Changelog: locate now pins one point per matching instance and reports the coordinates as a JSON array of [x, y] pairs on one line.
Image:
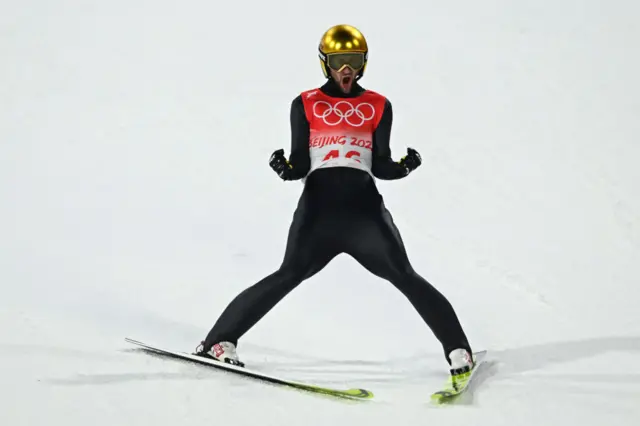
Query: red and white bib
[[341, 129]]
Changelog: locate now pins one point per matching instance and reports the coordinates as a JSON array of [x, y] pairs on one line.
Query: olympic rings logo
[[333, 115]]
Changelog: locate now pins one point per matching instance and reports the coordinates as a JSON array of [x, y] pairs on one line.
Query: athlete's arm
[[299, 156], [383, 165]]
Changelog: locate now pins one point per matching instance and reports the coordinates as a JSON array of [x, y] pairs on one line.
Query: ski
[[357, 394], [454, 388]]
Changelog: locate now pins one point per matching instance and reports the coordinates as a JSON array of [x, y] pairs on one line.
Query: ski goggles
[[338, 61]]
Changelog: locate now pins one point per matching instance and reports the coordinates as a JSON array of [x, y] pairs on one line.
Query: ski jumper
[[340, 143]]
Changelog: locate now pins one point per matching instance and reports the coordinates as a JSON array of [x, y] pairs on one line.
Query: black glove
[[280, 165], [411, 161]]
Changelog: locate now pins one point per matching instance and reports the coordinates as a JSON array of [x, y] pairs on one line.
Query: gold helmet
[[343, 45]]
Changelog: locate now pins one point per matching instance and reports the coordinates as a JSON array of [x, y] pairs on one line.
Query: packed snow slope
[[136, 200]]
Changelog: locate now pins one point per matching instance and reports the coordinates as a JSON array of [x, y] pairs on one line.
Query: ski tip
[[442, 397], [360, 393]]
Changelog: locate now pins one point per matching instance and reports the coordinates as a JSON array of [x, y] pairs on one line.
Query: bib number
[[353, 141], [340, 150]]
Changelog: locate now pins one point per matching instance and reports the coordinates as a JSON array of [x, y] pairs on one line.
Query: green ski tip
[[349, 393]]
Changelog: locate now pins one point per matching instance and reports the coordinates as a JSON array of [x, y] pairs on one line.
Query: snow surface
[[134, 202]]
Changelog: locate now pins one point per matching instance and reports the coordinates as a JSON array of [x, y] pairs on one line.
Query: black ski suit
[[341, 211]]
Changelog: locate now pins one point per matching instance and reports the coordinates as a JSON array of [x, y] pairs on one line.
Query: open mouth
[[346, 80]]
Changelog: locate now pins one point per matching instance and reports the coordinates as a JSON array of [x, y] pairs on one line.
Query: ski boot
[[221, 351], [462, 364]]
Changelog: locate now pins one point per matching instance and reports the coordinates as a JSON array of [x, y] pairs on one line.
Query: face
[[344, 78]]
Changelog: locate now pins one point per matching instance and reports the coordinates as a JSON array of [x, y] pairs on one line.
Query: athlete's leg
[[377, 245], [307, 252]]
